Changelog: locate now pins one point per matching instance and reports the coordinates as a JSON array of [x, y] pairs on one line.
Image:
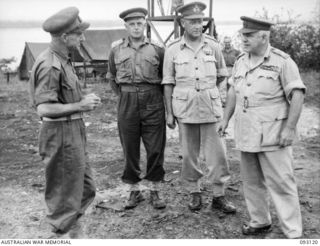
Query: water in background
[[12, 40]]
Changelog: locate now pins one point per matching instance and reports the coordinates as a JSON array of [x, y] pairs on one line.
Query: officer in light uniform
[[193, 66], [267, 96], [56, 94], [135, 74]]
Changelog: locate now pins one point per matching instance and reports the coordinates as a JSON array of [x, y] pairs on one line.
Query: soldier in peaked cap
[[135, 74], [267, 96], [57, 97], [193, 67]]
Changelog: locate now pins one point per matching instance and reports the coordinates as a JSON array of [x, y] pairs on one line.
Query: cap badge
[[196, 9]]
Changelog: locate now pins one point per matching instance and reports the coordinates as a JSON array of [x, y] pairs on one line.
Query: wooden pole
[[148, 26], [211, 20], [85, 74]]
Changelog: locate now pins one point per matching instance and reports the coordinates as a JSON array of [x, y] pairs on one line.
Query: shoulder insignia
[[157, 43], [174, 41], [116, 43], [280, 53], [56, 62], [211, 38]]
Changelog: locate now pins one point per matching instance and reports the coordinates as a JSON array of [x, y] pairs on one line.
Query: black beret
[[132, 13], [65, 21], [192, 10], [253, 25]]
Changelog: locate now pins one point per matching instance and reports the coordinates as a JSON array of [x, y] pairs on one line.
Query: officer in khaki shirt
[[193, 66], [267, 96], [57, 96], [135, 74]]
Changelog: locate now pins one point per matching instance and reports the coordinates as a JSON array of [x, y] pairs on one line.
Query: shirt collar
[[127, 41], [184, 44], [267, 53], [60, 49]]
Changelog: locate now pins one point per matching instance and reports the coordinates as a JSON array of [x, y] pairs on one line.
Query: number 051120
[[309, 241]]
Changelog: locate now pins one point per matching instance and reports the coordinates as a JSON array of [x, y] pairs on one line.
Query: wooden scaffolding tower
[[177, 31]]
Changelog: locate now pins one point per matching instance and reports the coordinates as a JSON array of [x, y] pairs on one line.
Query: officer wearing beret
[[57, 97], [267, 96], [193, 67], [135, 74]]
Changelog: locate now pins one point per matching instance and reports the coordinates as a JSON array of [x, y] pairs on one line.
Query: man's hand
[[287, 136], [221, 128], [171, 121], [89, 102]]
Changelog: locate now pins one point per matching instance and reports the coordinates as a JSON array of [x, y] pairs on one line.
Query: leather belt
[[75, 116], [139, 87]]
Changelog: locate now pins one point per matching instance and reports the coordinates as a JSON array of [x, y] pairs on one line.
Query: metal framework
[[175, 18]]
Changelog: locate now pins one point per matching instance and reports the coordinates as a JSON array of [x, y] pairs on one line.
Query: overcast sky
[[223, 10]]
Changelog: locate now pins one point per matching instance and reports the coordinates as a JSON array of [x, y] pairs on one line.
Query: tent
[[94, 51]]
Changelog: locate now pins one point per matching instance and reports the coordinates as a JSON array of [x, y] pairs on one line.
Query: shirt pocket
[[123, 65], [150, 67], [268, 83], [179, 103], [210, 68], [216, 105], [272, 123], [238, 79], [182, 67]]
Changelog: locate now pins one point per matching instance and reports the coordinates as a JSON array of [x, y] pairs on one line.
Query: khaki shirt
[[129, 65], [230, 56], [195, 97], [53, 78], [263, 94]]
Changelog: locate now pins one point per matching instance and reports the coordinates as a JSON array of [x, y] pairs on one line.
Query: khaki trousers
[[192, 136], [271, 171], [70, 187]]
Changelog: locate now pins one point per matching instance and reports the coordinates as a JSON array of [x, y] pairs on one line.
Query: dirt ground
[[22, 207]]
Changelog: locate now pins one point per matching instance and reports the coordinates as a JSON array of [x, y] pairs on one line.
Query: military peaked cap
[[192, 10], [253, 25], [65, 21], [133, 13]]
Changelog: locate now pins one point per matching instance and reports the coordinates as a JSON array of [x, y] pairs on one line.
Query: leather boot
[[76, 231], [196, 201], [134, 199], [222, 204], [156, 201]]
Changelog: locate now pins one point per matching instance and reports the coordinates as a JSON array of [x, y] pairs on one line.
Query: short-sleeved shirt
[[263, 94], [129, 65], [53, 78], [230, 56], [194, 73]]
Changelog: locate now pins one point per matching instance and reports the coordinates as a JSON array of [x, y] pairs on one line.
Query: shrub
[[301, 42]]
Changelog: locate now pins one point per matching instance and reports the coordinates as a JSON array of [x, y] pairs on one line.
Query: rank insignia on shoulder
[[116, 43]]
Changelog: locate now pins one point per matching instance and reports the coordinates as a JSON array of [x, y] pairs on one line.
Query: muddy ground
[[22, 207]]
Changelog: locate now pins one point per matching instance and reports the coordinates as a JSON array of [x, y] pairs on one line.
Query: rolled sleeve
[[47, 86], [168, 68], [290, 78]]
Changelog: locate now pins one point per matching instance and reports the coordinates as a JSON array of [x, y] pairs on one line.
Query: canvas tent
[[97, 46], [95, 52], [30, 53]]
